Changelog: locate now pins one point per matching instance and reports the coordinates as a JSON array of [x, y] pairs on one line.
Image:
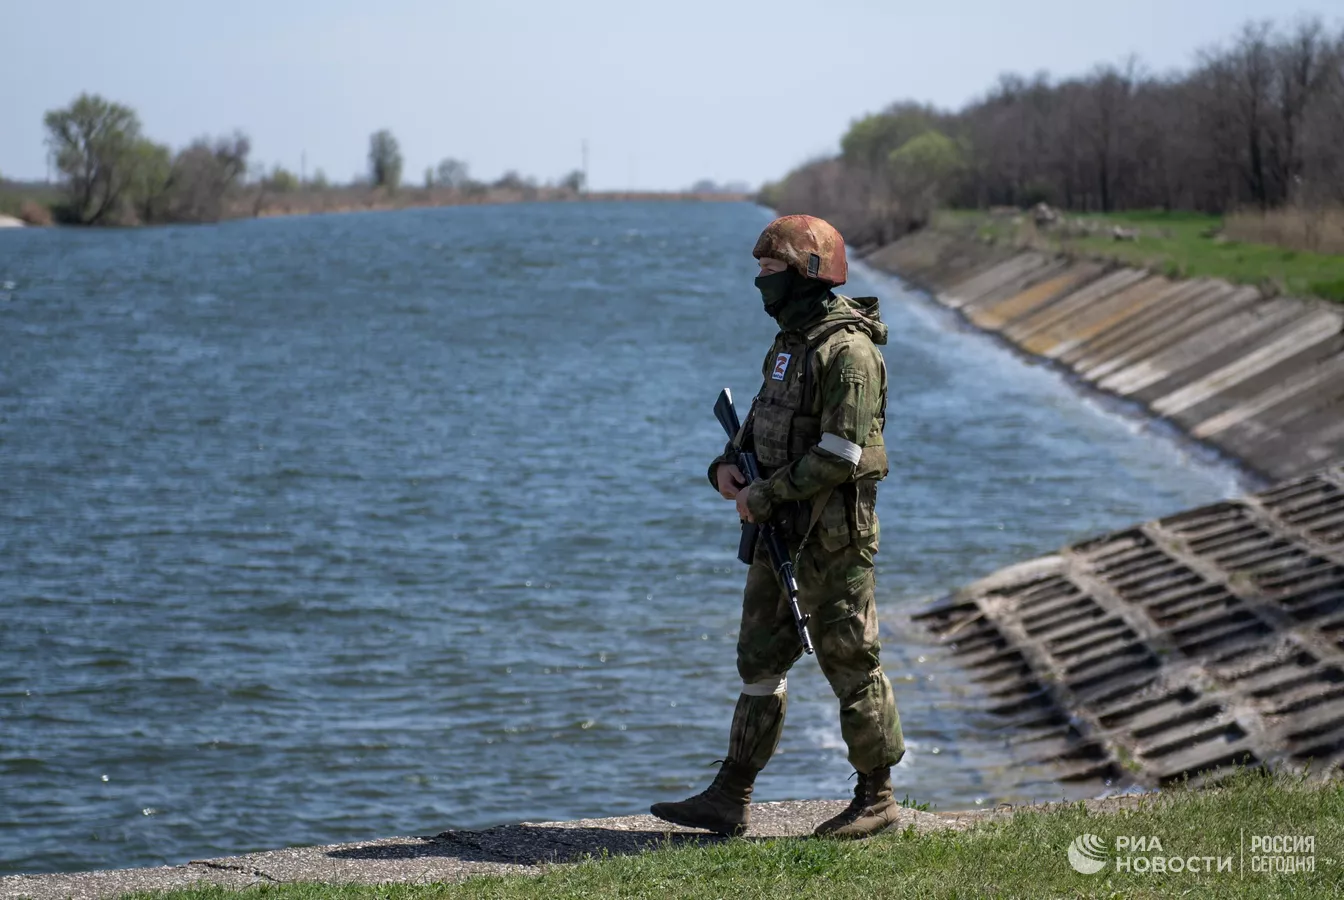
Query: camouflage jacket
[[816, 423]]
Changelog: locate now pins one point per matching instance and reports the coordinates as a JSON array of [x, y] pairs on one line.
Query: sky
[[663, 93]]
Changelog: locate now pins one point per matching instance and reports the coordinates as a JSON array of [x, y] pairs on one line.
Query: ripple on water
[[314, 532]]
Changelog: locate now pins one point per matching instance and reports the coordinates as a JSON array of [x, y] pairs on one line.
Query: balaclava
[[792, 300]]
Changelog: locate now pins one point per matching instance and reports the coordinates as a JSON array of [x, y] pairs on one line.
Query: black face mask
[[775, 289], [792, 300]]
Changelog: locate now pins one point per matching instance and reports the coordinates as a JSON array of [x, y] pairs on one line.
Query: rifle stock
[[746, 544]]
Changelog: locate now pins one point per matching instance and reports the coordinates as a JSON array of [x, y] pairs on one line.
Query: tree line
[[111, 174], [1256, 122]]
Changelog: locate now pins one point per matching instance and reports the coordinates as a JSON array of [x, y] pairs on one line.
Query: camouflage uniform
[[816, 430], [826, 383]]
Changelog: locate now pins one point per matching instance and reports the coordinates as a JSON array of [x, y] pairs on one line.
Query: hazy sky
[[664, 93]]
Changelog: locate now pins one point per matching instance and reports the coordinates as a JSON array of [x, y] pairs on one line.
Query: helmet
[[810, 246]]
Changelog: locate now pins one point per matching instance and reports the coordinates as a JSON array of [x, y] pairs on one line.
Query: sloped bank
[[1261, 379], [1211, 638]]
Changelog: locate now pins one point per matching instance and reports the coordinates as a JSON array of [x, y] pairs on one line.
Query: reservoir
[[342, 527]]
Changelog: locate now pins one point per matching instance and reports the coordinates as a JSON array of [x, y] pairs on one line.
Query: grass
[[1179, 245], [1022, 856]]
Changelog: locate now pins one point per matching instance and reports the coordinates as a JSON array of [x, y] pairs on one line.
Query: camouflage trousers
[[836, 589]]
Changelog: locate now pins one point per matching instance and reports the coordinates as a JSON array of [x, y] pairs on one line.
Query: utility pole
[[585, 165], [303, 167]]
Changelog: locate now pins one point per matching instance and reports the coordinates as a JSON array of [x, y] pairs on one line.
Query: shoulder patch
[[853, 376], [781, 366]]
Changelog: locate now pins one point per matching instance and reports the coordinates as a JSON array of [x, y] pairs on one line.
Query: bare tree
[[1255, 122], [203, 175], [1303, 63], [452, 173]]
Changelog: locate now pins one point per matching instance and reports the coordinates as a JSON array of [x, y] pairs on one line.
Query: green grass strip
[[1024, 856], [1178, 245]]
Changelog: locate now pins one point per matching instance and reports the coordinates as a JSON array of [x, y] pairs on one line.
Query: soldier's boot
[[723, 808], [872, 809]]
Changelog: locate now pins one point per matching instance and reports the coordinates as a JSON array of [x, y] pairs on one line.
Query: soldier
[[816, 427]]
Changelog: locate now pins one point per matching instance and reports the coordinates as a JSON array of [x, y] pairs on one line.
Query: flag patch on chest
[[781, 366]]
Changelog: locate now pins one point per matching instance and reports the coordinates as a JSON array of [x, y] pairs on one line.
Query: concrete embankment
[[1210, 638], [1261, 379]]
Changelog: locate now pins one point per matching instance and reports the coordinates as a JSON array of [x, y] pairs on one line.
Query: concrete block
[[1176, 325], [993, 316], [1273, 441], [1232, 331], [983, 283], [1284, 372], [1071, 304], [957, 267], [1309, 443], [1016, 285], [1232, 348], [1173, 647], [1299, 335], [1309, 380], [1123, 320], [1062, 335], [1124, 334]]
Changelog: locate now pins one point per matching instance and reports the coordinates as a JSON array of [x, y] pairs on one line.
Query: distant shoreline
[[34, 206], [375, 201]]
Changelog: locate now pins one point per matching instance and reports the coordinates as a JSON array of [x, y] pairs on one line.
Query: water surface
[[342, 527]]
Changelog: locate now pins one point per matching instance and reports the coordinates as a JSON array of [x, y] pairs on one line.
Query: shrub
[[35, 213], [1329, 290]]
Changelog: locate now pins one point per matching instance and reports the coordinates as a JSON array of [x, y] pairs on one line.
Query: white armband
[[838, 446]]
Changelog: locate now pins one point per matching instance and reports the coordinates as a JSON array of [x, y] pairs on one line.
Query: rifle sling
[[818, 506]]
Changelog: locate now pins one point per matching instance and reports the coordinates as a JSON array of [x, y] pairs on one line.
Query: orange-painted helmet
[[810, 246]]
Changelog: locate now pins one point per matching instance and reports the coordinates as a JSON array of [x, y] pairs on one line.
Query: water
[[342, 527]]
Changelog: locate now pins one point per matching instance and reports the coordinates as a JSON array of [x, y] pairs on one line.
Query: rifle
[[725, 412]]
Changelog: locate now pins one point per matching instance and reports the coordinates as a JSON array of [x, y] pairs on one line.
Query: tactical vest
[[785, 423]]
